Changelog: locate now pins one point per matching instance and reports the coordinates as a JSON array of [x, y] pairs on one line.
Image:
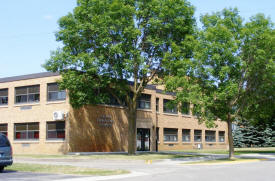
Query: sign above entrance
[[105, 121]]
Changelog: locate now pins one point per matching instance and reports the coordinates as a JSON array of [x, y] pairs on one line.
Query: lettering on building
[[105, 121]]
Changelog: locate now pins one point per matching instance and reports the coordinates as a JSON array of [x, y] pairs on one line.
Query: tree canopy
[[232, 72], [116, 47]]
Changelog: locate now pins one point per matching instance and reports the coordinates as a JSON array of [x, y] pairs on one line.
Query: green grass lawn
[[224, 161], [60, 169], [238, 151], [140, 156]]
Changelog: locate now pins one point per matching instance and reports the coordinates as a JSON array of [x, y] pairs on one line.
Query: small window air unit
[[58, 115], [199, 146]]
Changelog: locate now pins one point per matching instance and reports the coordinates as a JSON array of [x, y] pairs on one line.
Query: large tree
[[232, 73], [117, 47]]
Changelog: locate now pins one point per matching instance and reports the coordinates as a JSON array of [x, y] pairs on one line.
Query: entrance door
[[143, 139]]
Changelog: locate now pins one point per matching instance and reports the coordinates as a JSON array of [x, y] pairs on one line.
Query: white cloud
[[47, 17]]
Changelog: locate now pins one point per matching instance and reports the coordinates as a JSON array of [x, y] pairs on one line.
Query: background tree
[[226, 72], [248, 134], [108, 43]]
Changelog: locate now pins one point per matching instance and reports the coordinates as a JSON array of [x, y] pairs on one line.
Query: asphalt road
[[166, 170], [24, 176], [253, 171]]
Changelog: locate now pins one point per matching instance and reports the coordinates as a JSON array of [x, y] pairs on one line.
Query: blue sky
[[27, 28]]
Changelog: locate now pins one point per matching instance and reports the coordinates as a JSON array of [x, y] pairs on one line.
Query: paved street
[[165, 170], [27, 176]]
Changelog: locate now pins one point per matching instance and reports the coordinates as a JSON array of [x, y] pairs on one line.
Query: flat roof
[[28, 76], [50, 74]]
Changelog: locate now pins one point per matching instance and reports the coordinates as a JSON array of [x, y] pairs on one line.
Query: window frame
[[209, 137], [145, 99], [5, 132], [27, 94], [197, 135], [157, 104], [186, 135], [185, 105], [56, 91], [168, 110], [223, 136], [170, 135], [55, 130], [27, 131], [4, 97]]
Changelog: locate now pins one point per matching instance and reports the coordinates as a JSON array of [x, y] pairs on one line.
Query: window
[[54, 94], [144, 101], [26, 131], [170, 134], [169, 107], [157, 104], [186, 135], [210, 136], [197, 135], [196, 110], [4, 129], [3, 97], [185, 108], [221, 136], [56, 130], [27, 94], [157, 134]]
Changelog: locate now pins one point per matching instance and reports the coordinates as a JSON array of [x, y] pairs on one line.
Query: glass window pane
[[33, 97], [51, 134], [3, 100], [60, 125], [3, 127], [34, 89], [61, 134], [21, 99], [61, 95], [185, 108], [56, 130], [53, 96], [33, 126], [51, 126], [20, 127], [53, 87], [21, 135], [4, 92], [20, 90]]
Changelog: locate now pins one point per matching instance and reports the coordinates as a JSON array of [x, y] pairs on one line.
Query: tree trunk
[[132, 131], [230, 139]]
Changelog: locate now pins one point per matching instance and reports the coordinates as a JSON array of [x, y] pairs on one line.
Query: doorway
[[143, 139]]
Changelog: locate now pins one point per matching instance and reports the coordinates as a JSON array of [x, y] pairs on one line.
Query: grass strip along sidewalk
[[224, 161], [62, 169], [238, 151], [142, 156]]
